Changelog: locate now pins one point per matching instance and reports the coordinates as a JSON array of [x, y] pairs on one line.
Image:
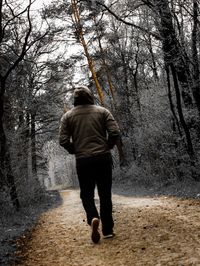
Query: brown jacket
[[85, 130]]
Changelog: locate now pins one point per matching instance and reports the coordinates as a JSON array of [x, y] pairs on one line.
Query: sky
[[73, 49], [38, 4]]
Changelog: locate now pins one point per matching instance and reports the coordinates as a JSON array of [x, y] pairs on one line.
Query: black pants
[[96, 171]]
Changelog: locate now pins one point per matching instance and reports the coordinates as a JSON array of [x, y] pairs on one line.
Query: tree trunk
[[36, 184], [5, 159], [84, 44], [196, 73], [173, 52], [27, 143], [2, 140], [136, 89], [126, 97], [23, 145], [190, 149], [135, 74], [154, 67], [105, 66], [33, 145], [171, 101]]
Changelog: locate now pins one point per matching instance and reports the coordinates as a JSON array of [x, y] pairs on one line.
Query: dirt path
[[149, 231]]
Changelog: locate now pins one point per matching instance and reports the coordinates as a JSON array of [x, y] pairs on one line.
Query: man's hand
[[69, 147], [122, 160], [116, 140]]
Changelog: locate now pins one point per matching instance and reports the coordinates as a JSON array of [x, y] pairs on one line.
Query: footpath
[[154, 231]]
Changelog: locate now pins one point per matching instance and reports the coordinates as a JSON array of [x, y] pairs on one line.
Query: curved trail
[[149, 231]]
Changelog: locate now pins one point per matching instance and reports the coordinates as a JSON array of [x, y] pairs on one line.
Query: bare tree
[[15, 41]]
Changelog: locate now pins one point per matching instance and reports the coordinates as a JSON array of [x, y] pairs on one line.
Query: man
[[90, 131]]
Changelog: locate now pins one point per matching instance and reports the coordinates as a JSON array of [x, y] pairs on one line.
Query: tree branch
[[155, 35], [24, 47], [3, 28]]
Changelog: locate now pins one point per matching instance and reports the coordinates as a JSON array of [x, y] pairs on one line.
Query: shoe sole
[[95, 233], [109, 236]]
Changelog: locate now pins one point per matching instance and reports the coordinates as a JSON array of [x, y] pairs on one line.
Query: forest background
[[140, 59]]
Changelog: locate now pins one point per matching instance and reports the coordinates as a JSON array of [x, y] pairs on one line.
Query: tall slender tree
[[79, 31]]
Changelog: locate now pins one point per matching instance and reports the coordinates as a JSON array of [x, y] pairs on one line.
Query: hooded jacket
[[86, 129]]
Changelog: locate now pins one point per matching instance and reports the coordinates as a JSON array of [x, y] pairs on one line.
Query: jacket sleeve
[[65, 135]]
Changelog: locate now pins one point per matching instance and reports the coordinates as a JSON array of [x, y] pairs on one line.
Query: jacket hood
[[83, 95]]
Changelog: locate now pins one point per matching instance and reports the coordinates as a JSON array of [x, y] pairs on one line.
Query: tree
[[80, 34], [16, 38]]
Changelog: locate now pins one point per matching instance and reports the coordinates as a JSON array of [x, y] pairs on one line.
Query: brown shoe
[[95, 236]]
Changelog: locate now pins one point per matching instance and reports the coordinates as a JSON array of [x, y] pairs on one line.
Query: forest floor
[[154, 230]]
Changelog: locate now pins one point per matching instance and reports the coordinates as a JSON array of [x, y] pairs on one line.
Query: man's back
[[88, 126]]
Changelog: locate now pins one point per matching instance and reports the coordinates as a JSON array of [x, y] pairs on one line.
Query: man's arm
[[114, 137], [119, 145], [65, 135]]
